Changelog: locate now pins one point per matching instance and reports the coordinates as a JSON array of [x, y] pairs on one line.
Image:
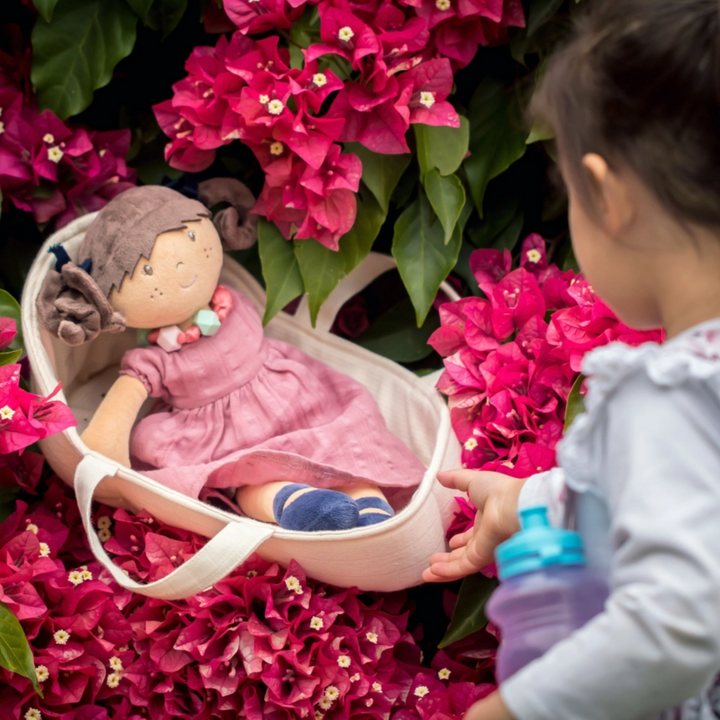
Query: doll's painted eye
[[148, 270], [191, 235]]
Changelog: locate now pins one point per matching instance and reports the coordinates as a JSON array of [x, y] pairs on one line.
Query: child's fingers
[[456, 479], [453, 569], [461, 539]]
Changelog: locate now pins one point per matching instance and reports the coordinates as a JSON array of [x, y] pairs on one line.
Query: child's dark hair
[[639, 84]]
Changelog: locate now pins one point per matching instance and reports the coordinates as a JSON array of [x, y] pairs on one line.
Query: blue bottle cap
[[537, 545]]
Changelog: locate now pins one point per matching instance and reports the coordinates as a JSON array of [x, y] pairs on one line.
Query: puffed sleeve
[[657, 642], [148, 366], [546, 488]]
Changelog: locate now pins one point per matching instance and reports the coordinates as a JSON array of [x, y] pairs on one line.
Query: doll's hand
[[109, 430], [496, 498]]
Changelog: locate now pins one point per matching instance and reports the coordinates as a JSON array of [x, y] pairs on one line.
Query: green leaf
[[15, 653], [7, 502], [9, 357], [322, 268], [394, 334], [45, 8], [75, 53], [423, 258], [165, 15], [499, 224], [380, 173], [141, 7], [575, 402], [302, 34], [283, 281], [497, 140], [447, 197], [539, 132], [10, 308], [469, 615], [540, 12], [441, 147]]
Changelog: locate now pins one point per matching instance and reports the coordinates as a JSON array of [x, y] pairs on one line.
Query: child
[[635, 104]]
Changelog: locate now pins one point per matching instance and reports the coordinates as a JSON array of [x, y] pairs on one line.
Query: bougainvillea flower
[[314, 86], [372, 118], [329, 217], [424, 89], [257, 16], [8, 331], [345, 35], [24, 417], [310, 137], [263, 57]]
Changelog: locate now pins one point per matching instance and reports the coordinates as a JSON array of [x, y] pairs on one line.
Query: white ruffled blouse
[[639, 477]]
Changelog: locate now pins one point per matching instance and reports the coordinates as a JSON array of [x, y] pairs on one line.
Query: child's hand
[[496, 498], [490, 708]]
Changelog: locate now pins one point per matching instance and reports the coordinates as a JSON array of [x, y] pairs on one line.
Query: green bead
[[207, 321], [142, 337]]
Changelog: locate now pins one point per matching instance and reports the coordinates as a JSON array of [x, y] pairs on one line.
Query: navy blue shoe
[[376, 511], [315, 510]]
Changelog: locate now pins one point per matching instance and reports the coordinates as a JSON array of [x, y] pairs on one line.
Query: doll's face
[[178, 279]]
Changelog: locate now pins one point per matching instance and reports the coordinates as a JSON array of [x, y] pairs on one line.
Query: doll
[[293, 441]]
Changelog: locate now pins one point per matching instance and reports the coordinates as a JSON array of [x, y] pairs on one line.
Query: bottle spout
[[534, 517]]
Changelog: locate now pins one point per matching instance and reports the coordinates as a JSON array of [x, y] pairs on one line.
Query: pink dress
[[238, 409]]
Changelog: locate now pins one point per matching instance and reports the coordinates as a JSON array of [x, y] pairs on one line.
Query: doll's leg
[[371, 502], [295, 506]]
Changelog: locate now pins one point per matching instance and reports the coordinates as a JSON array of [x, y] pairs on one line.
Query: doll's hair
[[639, 84], [73, 303]]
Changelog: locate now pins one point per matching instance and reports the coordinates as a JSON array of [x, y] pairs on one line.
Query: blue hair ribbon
[[62, 258]]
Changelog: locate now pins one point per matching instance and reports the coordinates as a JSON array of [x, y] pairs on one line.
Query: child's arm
[[109, 429], [658, 641]]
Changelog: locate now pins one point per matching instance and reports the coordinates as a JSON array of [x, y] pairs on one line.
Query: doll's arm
[[109, 430]]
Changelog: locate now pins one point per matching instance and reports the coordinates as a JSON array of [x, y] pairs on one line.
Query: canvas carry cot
[[385, 557]]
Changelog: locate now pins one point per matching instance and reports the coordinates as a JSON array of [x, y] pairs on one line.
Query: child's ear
[[612, 193]]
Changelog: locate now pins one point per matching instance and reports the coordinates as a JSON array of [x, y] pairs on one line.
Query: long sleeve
[[546, 488], [657, 642]]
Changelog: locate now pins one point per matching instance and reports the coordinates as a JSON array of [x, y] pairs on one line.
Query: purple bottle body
[[537, 609]]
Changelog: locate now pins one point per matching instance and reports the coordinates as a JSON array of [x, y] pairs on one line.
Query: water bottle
[[546, 591]]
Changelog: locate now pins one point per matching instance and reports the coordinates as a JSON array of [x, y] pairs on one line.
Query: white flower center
[[61, 637], [316, 623], [344, 661], [44, 549], [421, 691], [427, 98], [277, 149], [113, 679], [264, 99], [41, 673], [470, 444], [55, 154], [33, 714], [534, 256], [32, 527], [6, 413], [444, 674], [345, 34], [2, 130], [332, 693], [442, 5], [320, 79], [372, 637], [48, 138], [377, 687], [115, 663], [76, 577], [275, 107]]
